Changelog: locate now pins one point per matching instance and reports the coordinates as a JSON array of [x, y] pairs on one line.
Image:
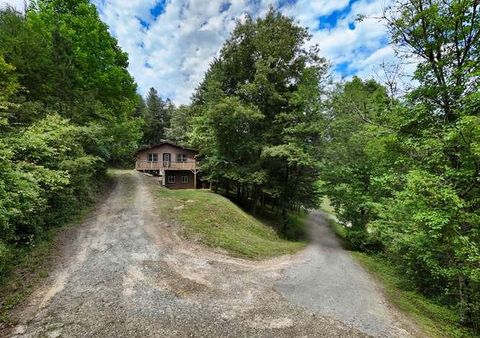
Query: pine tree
[[156, 118]]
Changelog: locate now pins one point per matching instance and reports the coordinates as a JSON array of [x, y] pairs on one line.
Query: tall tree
[[67, 106], [156, 118], [257, 113], [180, 124], [360, 154], [67, 61], [432, 224]]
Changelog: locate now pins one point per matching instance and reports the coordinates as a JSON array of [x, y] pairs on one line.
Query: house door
[[167, 159]]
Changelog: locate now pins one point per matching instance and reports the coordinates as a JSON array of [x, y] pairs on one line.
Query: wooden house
[[177, 166]]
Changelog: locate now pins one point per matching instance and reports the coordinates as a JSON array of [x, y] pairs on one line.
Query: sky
[[172, 42]]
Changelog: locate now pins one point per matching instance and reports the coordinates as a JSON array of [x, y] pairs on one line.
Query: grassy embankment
[[215, 221], [434, 319], [26, 265]]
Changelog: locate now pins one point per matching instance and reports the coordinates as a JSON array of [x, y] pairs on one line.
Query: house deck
[[166, 165]]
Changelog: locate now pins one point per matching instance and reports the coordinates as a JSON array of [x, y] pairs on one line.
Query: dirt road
[[332, 284], [125, 273]]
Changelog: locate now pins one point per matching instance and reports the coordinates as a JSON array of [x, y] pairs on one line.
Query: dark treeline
[[162, 120], [67, 105], [156, 114], [402, 171]]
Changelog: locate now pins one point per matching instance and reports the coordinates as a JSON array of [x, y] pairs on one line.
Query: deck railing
[[167, 165]]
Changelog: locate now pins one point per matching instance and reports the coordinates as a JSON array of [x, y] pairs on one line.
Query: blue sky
[[172, 42]]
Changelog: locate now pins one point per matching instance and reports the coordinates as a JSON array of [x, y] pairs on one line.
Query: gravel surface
[[331, 283], [126, 273]]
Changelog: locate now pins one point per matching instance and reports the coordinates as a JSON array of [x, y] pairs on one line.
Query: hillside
[[215, 221]]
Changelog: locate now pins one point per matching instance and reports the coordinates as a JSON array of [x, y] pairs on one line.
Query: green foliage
[[180, 125], [67, 105], [45, 174], [8, 87], [445, 36], [359, 155], [443, 188], [67, 62], [434, 319], [403, 174], [226, 132], [257, 115], [156, 118], [427, 217]]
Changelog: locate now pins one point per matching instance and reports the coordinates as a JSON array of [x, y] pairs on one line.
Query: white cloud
[[307, 11], [172, 51], [17, 4]]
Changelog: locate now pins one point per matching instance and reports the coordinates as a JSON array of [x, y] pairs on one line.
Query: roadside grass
[[327, 206], [26, 266], [434, 319], [339, 229], [215, 221]]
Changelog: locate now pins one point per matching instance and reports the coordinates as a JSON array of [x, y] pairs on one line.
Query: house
[[177, 166]]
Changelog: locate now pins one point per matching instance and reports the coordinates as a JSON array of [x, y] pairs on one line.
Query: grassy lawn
[[434, 319], [215, 221]]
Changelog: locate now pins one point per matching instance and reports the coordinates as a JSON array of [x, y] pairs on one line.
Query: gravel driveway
[[331, 283], [126, 273]]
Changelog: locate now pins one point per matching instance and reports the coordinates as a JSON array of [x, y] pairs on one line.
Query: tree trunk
[[255, 195], [239, 192], [285, 218]]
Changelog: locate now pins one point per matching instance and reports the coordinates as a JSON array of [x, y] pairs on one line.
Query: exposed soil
[[126, 273]]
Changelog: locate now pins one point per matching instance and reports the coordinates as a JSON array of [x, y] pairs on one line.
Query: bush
[[360, 239]]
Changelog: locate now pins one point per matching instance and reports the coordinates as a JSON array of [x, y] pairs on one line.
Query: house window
[[184, 179], [153, 157], [171, 179], [181, 158]]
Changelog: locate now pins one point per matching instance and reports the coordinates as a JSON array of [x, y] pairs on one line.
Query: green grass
[[217, 222], [25, 267], [434, 319], [339, 229], [327, 206]]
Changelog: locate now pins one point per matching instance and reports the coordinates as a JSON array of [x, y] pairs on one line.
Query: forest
[[67, 112], [400, 164]]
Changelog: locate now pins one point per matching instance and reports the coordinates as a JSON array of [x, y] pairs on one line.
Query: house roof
[[162, 143]]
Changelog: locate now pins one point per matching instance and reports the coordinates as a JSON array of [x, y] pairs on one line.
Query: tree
[[444, 35], [431, 224], [67, 61], [257, 113], [156, 118], [8, 87], [67, 106], [180, 124], [141, 107], [360, 154], [403, 173]]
